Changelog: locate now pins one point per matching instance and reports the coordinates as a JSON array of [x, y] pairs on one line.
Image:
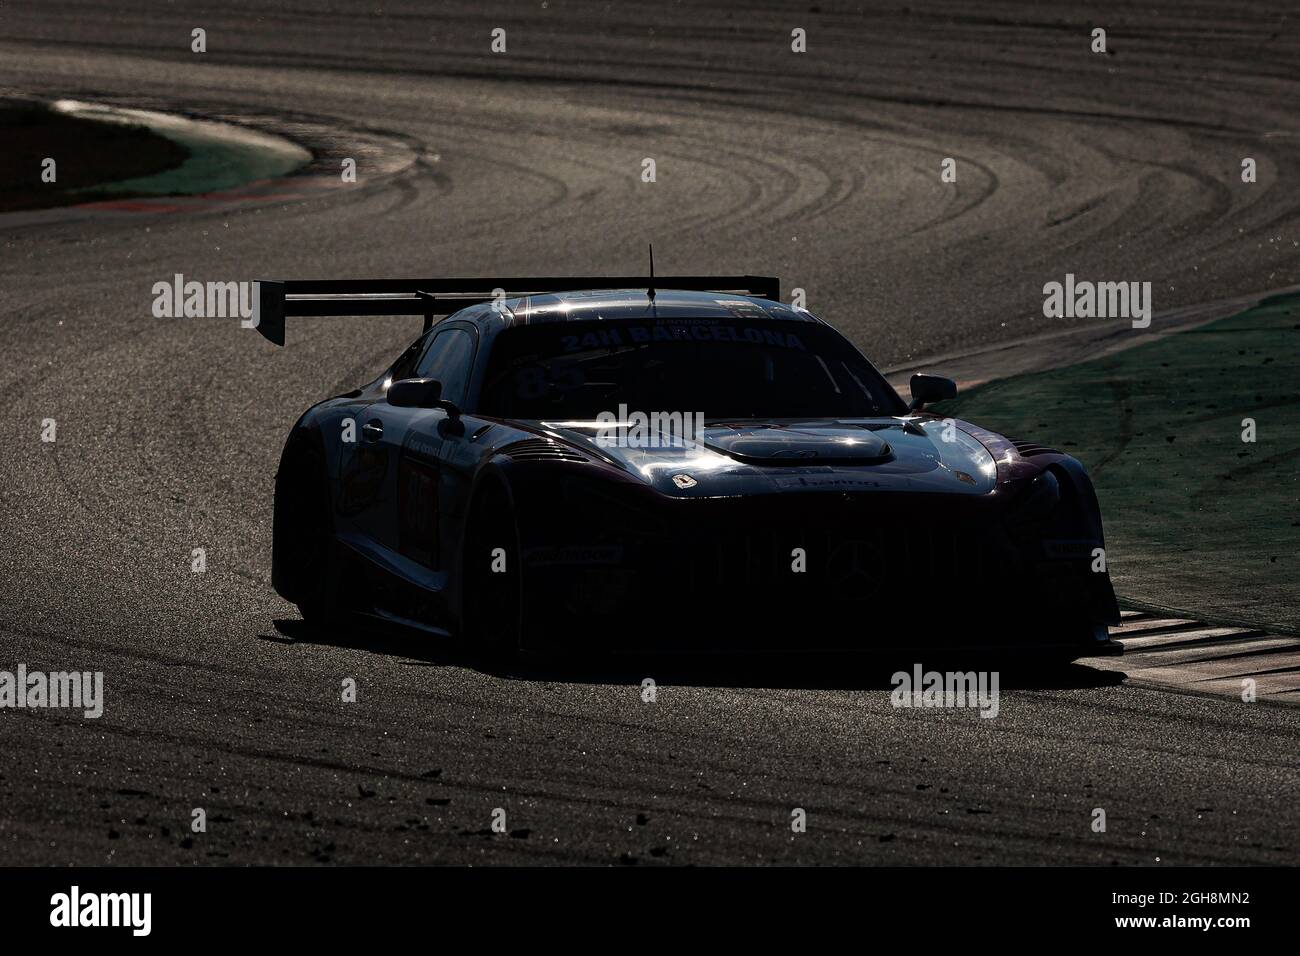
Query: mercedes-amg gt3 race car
[[592, 464]]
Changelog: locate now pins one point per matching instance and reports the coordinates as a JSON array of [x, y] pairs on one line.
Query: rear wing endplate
[[277, 300]]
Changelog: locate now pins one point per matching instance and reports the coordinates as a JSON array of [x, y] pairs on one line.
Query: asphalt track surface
[[821, 168]]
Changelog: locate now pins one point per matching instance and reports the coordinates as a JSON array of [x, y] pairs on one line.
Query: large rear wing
[[277, 300]]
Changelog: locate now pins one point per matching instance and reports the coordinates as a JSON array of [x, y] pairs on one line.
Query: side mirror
[[931, 388], [415, 393], [423, 393]]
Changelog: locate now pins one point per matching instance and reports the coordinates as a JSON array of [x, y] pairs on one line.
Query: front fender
[[1085, 515]]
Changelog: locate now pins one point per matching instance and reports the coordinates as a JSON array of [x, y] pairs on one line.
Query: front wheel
[[1074, 640], [311, 552], [492, 599]]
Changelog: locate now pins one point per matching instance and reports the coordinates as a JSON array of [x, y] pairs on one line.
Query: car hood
[[905, 454]]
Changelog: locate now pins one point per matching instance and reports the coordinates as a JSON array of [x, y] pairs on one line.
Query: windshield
[[719, 368]]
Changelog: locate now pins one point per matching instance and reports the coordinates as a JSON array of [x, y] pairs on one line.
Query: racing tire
[[492, 600], [314, 553]]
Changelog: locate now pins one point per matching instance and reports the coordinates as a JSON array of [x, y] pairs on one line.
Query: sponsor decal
[[1063, 549], [574, 554], [417, 508], [680, 331]]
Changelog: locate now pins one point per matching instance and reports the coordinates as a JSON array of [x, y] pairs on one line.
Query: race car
[[613, 464]]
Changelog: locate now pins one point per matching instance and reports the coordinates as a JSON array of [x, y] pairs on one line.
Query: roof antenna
[[650, 293]]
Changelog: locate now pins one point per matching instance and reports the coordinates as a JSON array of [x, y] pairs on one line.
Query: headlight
[[609, 509], [1039, 499]]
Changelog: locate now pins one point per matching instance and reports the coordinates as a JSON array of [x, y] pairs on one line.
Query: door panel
[[362, 468], [462, 452], [410, 439], [396, 474]]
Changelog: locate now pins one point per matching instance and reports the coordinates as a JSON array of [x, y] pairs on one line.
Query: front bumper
[[837, 572]]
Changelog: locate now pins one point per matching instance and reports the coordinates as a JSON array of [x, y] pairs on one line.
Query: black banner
[[306, 905]]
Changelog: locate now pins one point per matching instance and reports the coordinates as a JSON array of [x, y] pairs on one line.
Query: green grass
[[101, 159], [88, 155], [1195, 518]]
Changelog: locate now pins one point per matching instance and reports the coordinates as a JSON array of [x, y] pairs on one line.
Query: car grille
[[843, 564], [855, 551]]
